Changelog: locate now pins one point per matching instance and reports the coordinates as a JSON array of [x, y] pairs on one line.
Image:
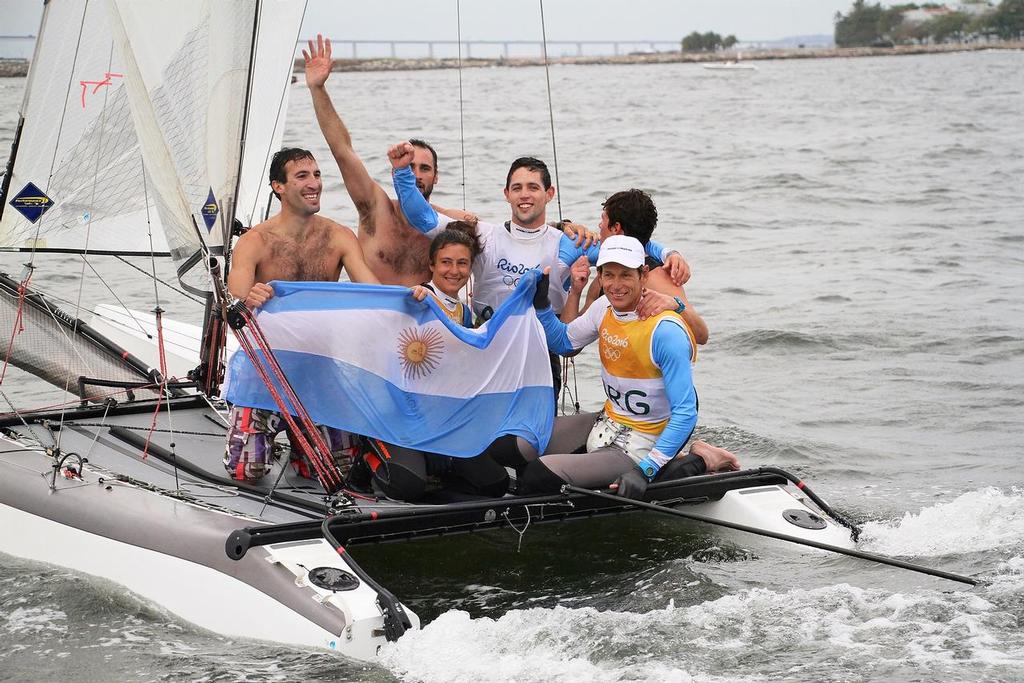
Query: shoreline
[[422, 63], [17, 68]]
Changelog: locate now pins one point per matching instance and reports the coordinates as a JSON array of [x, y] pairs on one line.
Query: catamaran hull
[[172, 553], [152, 510]]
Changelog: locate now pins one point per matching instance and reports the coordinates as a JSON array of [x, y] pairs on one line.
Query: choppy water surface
[[856, 231]]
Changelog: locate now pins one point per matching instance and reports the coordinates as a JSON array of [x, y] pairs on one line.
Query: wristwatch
[[680, 306]]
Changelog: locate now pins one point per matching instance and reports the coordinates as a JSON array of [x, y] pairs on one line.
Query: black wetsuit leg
[[479, 476], [569, 435], [402, 475], [556, 375], [505, 451]]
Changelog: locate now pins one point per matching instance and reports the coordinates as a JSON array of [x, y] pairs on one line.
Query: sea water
[[856, 233]]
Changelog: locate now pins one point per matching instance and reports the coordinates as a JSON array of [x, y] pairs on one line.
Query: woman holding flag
[[404, 473]]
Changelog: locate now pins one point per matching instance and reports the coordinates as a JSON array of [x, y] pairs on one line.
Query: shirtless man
[[295, 244], [395, 252]]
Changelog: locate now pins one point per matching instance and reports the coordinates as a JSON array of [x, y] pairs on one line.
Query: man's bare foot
[[715, 459]]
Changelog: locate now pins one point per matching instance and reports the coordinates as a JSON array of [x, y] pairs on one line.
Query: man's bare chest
[[312, 258]]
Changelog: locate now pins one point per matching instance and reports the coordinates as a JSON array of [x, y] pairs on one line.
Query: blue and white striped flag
[[371, 360]]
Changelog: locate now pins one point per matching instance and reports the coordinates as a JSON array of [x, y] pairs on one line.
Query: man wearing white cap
[[651, 408]]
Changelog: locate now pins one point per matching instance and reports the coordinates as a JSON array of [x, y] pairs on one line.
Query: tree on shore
[[1008, 20], [707, 42], [866, 25], [860, 27]]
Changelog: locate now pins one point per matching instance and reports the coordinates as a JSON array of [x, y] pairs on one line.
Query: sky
[[624, 20], [572, 19]]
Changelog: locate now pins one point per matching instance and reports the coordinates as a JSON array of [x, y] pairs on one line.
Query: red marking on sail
[[97, 84]]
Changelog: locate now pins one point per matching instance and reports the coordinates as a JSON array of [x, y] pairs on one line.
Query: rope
[[551, 111], [318, 453], [19, 325], [158, 312], [163, 383]]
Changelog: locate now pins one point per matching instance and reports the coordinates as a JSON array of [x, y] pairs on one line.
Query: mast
[[229, 222], [209, 373], [5, 185]]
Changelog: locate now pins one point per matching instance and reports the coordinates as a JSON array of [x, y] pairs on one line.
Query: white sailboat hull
[[171, 553]]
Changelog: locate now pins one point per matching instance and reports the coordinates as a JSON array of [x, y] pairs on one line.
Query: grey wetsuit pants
[[566, 461]]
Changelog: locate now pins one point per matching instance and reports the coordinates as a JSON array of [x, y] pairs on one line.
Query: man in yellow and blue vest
[[651, 406]]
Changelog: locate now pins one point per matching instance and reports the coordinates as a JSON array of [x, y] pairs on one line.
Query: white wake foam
[[792, 631], [539, 644], [976, 521], [35, 620]]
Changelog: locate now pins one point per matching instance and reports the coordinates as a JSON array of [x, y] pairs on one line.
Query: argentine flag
[[371, 360]]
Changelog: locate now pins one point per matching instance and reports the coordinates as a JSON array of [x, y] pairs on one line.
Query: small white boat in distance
[[731, 65]]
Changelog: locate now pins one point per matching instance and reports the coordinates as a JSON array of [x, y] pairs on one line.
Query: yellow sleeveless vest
[[632, 381]]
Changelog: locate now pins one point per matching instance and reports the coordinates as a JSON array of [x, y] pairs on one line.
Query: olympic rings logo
[[611, 353]]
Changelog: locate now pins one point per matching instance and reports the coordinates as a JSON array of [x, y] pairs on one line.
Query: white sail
[[78, 145], [134, 118], [187, 66], [279, 24]]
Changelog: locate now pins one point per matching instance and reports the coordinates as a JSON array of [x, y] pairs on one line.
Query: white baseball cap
[[622, 249]]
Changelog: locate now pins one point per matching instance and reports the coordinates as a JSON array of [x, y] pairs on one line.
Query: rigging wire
[[558, 198], [49, 178], [17, 413], [98, 397], [462, 118], [227, 217], [462, 140], [551, 110], [103, 423], [266, 160], [158, 312], [569, 395], [166, 284], [117, 298], [60, 126], [88, 225]]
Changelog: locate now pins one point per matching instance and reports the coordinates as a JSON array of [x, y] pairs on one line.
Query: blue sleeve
[[656, 251], [417, 209], [556, 332], [568, 251], [671, 350]]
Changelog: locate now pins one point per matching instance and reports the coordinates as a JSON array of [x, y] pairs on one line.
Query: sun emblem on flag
[[419, 351]]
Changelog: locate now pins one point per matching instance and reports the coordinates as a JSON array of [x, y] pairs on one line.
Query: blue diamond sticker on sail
[[31, 202], [210, 211]]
